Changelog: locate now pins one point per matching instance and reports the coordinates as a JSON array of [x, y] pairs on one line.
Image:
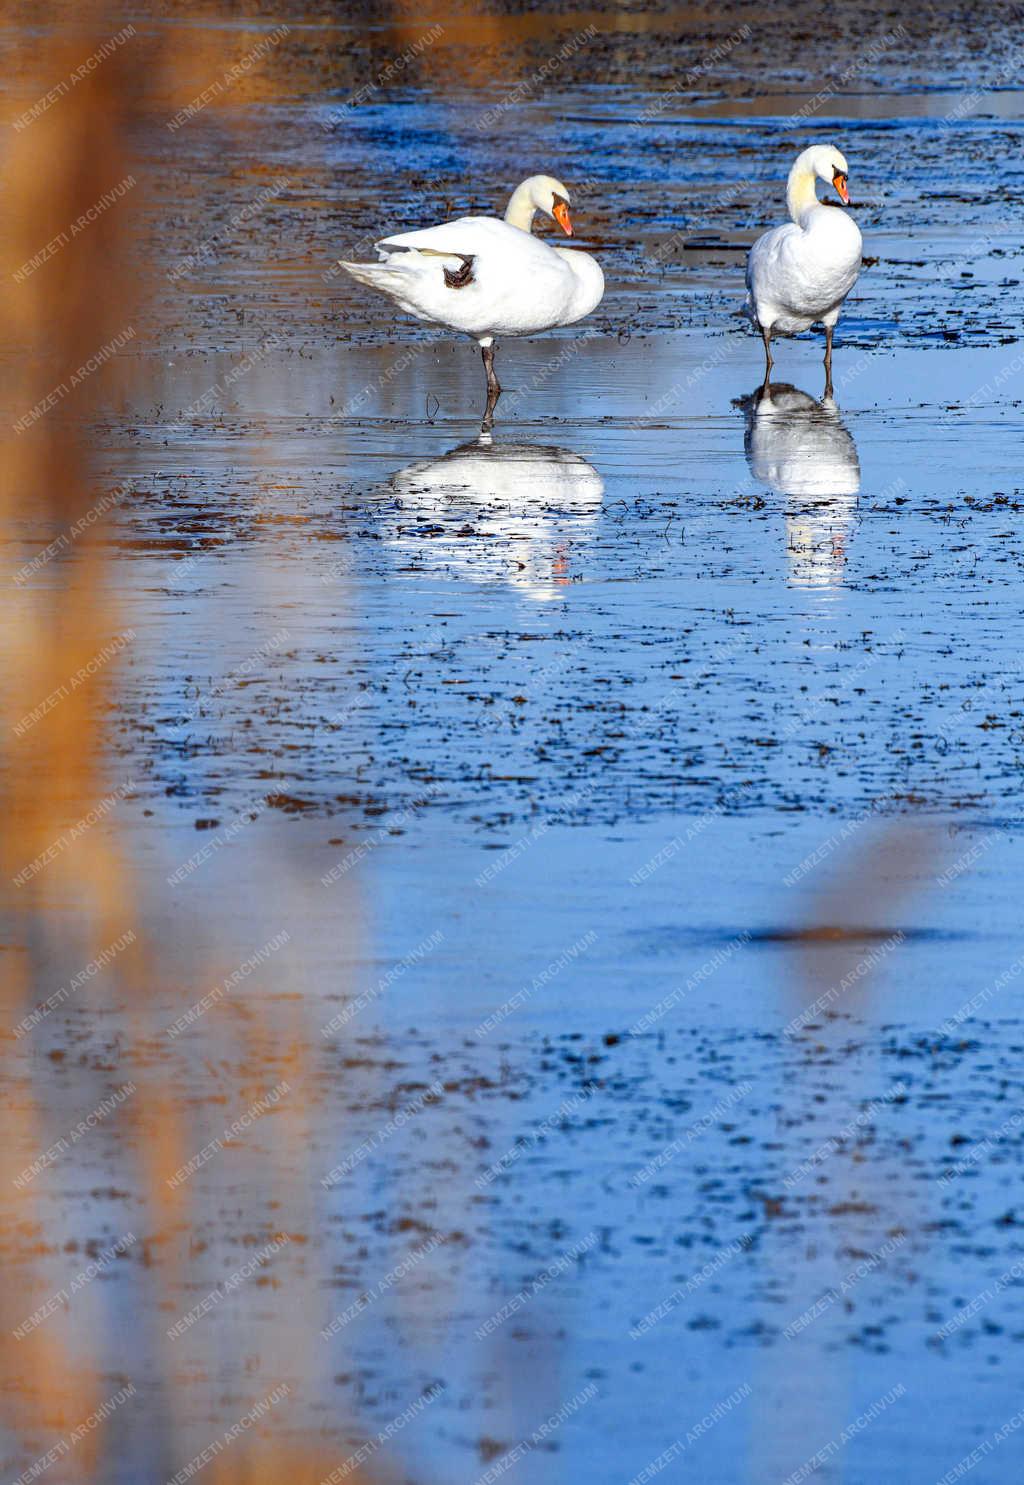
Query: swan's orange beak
[[560, 212], [839, 181]]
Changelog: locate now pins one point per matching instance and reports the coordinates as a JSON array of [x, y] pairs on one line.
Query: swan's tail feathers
[[382, 276], [403, 265]]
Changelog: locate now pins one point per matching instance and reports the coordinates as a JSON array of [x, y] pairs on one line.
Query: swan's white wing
[[795, 275], [764, 254], [774, 274], [466, 235]]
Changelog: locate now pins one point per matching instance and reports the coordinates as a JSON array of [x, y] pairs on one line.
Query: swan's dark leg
[[828, 360], [493, 388], [766, 336]]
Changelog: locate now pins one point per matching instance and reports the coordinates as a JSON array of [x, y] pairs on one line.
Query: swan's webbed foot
[[493, 388], [460, 277]]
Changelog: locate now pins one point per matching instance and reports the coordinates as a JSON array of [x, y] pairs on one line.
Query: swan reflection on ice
[[802, 449], [498, 512]]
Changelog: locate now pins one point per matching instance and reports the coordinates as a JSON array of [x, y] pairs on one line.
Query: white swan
[[799, 274], [487, 277]]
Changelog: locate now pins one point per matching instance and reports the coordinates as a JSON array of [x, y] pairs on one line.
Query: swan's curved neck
[[520, 211], [801, 192]]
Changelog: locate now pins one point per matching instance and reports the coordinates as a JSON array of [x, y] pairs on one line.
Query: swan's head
[[829, 165], [540, 193]]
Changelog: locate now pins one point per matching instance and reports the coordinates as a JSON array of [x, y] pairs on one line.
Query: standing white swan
[[487, 277], [799, 274]]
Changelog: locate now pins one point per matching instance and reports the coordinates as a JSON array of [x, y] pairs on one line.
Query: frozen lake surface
[[639, 790]]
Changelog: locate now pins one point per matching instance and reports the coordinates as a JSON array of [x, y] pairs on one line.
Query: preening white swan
[[799, 274], [487, 277]]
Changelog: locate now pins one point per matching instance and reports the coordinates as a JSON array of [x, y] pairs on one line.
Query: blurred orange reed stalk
[[62, 312], [55, 322]]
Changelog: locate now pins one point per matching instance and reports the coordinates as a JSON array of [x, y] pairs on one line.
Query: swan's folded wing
[[464, 237], [486, 238], [412, 266], [767, 251]]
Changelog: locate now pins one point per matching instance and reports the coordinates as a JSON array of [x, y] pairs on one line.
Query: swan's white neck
[[801, 192], [520, 211]]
